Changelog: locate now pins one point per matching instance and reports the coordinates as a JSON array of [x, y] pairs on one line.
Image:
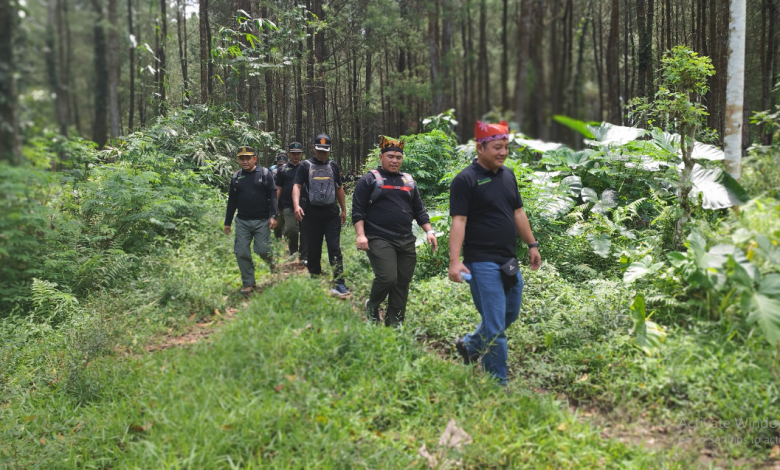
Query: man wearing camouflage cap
[[253, 193]]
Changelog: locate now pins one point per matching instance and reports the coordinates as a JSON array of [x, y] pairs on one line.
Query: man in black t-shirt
[[253, 194], [384, 204], [281, 160], [316, 190], [285, 179], [487, 214]]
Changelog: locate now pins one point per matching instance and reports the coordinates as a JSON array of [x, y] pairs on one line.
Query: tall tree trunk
[[712, 93], [368, 135], [613, 71], [161, 55], [319, 58], [131, 52], [540, 101], [100, 121], [644, 46], [483, 65], [465, 116], [650, 93], [54, 66], [205, 50], [181, 22], [433, 50], [446, 59], [524, 38], [10, 145], [769, 65], [599, 66], [504, 58], [113, 71], [735, 92], [310, 80], [254, 80]]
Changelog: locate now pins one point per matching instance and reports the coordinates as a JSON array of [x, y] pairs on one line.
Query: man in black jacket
[[384, 204], [253, 193], [317, 194], [285, 179]]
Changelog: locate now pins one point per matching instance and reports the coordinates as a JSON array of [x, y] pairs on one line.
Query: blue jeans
[[499, 309]]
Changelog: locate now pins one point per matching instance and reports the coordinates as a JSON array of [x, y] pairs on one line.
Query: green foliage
[[648, 335]]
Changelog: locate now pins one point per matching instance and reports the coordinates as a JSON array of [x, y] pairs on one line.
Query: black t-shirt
[[489, 201], [393, 210], [285, 179], [302, 178], [253, 193]]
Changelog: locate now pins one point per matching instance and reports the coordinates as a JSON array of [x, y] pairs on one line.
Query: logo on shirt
[[483, 181]]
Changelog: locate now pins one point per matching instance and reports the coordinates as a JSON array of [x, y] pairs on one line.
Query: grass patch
[[296, 381]]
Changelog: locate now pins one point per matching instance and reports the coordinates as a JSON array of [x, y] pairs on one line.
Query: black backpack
[[322, 184], [379, 185]]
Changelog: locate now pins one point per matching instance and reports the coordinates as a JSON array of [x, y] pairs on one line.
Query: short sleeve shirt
[[489, 201]]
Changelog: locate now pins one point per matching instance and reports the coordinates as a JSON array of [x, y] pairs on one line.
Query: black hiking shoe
[[460, 345]]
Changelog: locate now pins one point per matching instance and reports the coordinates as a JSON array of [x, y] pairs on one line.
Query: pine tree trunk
[[644, 46], [113, 71], [100, 121], [446, 59], [131, 51], [161, 55], [650, 93], [484, 69], [10, 145], [205, 50], [433, 50], [523, 37], [181, 21], [613, 71], [505, 58]]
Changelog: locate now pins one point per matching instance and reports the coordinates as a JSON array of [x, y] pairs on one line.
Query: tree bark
[[181, 22], [319, 58], [650, 93], [10, 145], [483, 58], [161, 55], [505, 58], [613, 71], [54, 66], [433, 50], [446, 59], [130, 123], [523, 33], [735, 91], [113, 71], [100, 121], [205, 50], [537, 50], [644, 44], [768, 62]]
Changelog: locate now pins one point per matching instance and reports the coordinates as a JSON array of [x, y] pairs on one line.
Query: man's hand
[[432, 241], [536, 258], [456, 267], [227, 229], [272, 223], [299, 213], [343, 216], [362, 243]]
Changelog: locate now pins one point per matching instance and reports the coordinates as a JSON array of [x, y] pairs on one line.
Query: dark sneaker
[[246, 290], [460, 345], [339, 289]]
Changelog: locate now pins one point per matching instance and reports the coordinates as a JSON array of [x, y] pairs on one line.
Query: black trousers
[[324, 222]]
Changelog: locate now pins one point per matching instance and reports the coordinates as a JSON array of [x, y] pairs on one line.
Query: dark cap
[[295, 147], [246, 150], [322, 142], [281, 157]]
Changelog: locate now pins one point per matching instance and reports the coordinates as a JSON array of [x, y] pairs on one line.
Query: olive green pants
[[248, 231], [393, 262]]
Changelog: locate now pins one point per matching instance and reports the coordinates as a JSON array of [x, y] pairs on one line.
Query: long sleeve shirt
[[253, 193], [394, 210]]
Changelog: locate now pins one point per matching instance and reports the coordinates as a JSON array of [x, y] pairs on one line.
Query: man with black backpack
[[281, 161], [253, 193], [384, 204], [285, 179], [317, 188]]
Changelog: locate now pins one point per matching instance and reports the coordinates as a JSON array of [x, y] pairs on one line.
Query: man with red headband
[[487, 214]]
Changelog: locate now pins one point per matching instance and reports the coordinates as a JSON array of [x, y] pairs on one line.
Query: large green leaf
[[601, 244], [583, 158], [575, 125], [538, 145], [765, 311], [770, 285], [607, 133], [718, 189], [574, 183], [641, 268], [589, 195], [648, 335], [768, 249], [608, 200]]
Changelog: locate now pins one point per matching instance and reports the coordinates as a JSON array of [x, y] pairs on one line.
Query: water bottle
[[464, 276]]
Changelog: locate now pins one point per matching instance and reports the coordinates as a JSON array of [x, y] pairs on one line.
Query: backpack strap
[[234, 179], [378, 182]]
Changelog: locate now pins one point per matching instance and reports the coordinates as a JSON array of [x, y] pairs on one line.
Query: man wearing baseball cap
[[252, 192], [285, 178], [318, 192]]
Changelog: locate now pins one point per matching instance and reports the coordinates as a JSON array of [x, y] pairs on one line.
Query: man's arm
[[342, 203], [362, 241], [457, 234], [523, 228], [232, 204], [296, 197], [273, 204]]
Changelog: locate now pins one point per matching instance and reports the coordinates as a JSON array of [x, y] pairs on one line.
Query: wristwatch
[[533, 245], [429, 232]]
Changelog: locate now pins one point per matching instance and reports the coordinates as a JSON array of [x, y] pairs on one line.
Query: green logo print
[[483, 181]]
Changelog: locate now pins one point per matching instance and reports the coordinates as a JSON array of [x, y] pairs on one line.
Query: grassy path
[[298, 381]]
